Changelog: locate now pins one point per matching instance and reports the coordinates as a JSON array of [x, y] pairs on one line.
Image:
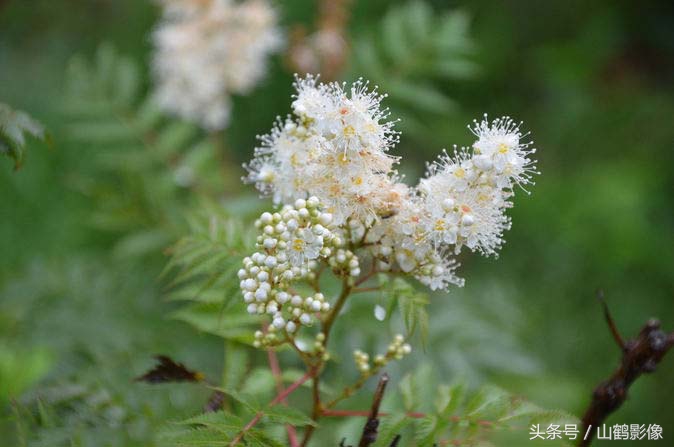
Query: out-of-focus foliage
[[457, 414], [15, 127], [147, 170], [592, 80], [79, 360], [203, 269], [411, 54]]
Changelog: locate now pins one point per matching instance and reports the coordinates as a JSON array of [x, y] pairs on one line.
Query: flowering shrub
[[344, 210], [334, 150]]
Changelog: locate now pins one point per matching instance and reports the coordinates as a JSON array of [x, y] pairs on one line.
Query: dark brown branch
[[370, 429], [640, 355], [609, 320]]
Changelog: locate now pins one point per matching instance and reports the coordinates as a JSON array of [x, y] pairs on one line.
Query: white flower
[[304, 245], [499, 147], [206, 50], [335, 148]]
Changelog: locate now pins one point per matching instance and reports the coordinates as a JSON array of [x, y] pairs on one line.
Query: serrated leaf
[[219, 420], [488, 402], [449, 398], [391, 426], [287, 415], [409, 392], [412, 305], [209, 318], [425, 429]]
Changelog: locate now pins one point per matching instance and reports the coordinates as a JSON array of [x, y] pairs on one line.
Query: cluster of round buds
[[290, 243], [345, 262], [265, 339], [362, 360], [396, 351], [398, 348], [319, 347], [298, 234]]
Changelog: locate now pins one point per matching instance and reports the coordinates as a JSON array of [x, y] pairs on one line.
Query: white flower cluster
[[290, 243], [206, 50], [336, 147]]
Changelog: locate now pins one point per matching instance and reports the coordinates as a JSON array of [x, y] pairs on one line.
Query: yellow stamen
[[298, 244]]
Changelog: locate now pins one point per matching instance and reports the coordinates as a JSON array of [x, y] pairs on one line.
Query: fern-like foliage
[[221, 428], [75, 387], [148, 167], [456, 415], [411, 55], [15, 127], [204, 265]]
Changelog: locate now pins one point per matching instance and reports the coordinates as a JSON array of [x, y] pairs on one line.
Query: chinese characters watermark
[[618, 432]]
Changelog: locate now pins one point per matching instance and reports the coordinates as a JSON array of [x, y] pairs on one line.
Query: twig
[[366, 289], [317, 407], [279, 398], [370, 432], [409, 414], [640, 355], [276, 372], [609, 320]]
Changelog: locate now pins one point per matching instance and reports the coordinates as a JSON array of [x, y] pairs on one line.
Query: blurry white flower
[[206, 50]]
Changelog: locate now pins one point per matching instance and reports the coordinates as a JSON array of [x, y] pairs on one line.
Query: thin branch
[[640, 355], [409, 414], [317, 407], [370, 430], [609, 320], [366, 289], [276, 372], [279, 398]]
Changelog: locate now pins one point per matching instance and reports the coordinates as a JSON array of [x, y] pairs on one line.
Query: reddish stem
[[411, 414], [276, 372], [279, 398]]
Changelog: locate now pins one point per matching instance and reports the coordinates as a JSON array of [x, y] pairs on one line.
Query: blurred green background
[[593, 81]]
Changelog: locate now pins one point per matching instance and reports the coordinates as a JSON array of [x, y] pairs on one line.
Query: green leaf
[[391, 426], [218, 420], [412, 305], [236, 326], [426, 429], [409, 392], [413, 55], [287, 415], [15, 126]]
